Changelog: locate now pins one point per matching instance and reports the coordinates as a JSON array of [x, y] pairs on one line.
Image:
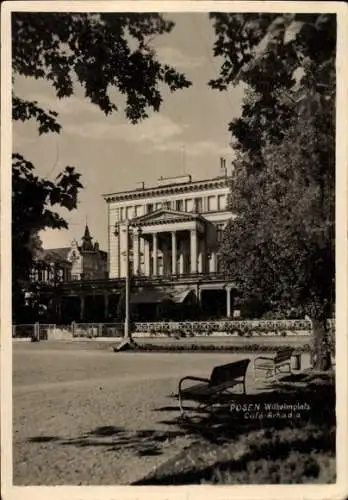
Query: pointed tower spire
[[87, 244]]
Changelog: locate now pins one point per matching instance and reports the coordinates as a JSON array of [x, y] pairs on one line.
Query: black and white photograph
[[172, 289]]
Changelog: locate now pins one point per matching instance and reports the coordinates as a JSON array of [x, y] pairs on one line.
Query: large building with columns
[[169, 235], [174, 227]]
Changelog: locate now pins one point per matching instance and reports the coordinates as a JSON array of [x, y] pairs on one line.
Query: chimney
[[223, 165]]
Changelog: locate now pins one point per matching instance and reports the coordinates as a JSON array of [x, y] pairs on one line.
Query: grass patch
[[285, 457], [289, 456]]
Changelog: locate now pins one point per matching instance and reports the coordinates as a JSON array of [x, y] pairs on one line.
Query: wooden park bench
[[214, 390], [275, 364]]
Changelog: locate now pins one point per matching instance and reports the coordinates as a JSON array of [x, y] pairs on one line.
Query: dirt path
[[95, 417]]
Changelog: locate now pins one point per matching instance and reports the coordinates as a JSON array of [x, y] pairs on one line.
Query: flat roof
[[165, 186]]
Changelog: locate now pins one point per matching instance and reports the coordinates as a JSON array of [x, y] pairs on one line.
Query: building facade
[[77, 262], [169, 236], [53, 268], [88, 262], [173, 228]]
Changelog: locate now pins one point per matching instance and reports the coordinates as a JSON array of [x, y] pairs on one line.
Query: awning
[[181, 296], [149, 297]]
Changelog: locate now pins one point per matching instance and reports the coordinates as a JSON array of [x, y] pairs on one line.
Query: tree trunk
[[321, 356]]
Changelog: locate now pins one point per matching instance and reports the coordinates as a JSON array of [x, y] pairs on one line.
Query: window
[[117, 214], [129, 212], [166, 205], [158, 206], [122, 211], [179, 205], [211, 203], [138, 210], [221, 202], [198, 205], [149, 207], [188, 205]]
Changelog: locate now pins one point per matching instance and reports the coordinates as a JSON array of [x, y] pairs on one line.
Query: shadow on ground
[[227, 442], [142, 442], [283, 442]]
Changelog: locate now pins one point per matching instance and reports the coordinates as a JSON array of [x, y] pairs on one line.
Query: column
[[106, 306], [174, 271], [228, 301], [142, 255], [136, 252], [200, 256], [200, 262], [213, 262], [181, 260], [181, 254], [82, 307], [147, 257], [155, 253], [193, 249]]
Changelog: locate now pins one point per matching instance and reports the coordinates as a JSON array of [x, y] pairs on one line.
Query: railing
[[225, 327], [246, 328], [93, 330], [150, 279], [36, 331], [23, 331]]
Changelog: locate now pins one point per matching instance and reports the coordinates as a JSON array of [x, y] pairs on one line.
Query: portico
[[168, 243]]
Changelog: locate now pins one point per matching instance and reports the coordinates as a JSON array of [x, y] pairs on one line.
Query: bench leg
[[180, 405], [196, 405]]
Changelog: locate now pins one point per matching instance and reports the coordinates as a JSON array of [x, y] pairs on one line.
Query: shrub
[[221, 348]]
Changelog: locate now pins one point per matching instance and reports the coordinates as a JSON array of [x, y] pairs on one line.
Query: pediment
[[164, 216]]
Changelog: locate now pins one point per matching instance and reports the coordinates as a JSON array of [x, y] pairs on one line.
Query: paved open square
[[83, 415]]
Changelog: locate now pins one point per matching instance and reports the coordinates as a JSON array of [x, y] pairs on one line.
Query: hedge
[[216, 348]]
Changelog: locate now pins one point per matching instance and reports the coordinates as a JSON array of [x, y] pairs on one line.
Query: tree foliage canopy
[[111, 57], [99, 51], [281, 244]]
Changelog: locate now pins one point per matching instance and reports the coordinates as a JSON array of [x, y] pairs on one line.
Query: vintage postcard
[[174, 250]]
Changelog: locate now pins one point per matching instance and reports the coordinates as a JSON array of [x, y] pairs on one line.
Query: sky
[[187, 136]]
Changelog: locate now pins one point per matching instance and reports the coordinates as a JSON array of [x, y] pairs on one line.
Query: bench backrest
[[283, 355], [230, 371]]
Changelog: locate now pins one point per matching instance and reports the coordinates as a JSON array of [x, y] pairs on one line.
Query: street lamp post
[[127, 333], [127, 298]]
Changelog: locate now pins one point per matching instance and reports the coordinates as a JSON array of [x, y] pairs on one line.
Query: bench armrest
[[196, 379]]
